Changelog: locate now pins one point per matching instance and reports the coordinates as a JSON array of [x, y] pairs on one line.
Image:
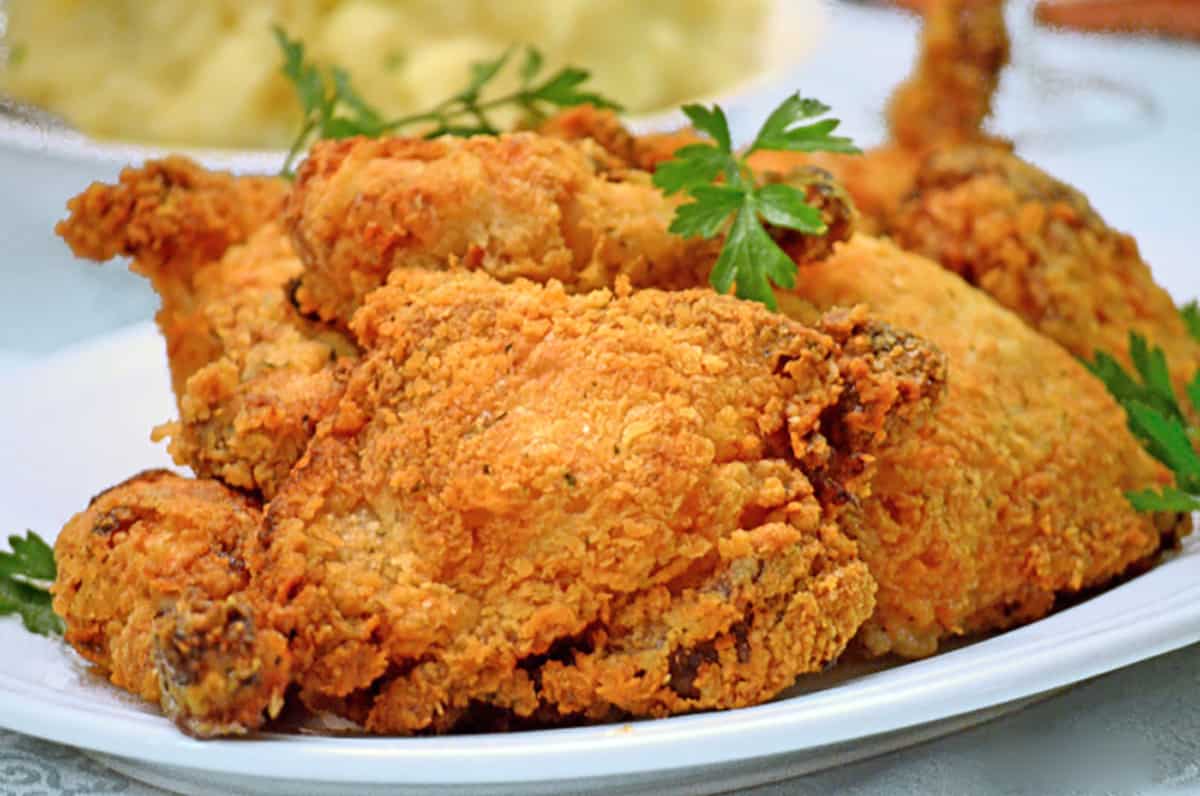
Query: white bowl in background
[[792, 30]]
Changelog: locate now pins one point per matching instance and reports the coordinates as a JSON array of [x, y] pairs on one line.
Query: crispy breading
[[580, 507], [605, 128], [1013, 492], [964, 48], [515, 206], [151, 584], [251, 375], [246, 416], [171, 217], [1037, 246]]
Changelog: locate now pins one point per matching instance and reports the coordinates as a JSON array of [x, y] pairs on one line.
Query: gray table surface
[[1118, 120]]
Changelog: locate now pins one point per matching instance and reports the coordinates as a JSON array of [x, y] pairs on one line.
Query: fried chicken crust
[[247, 415], [1013, 492], [581, 507], [251, 375], [171, 217], [515, 206], [1038, 247], [964, 48], [151, 584]]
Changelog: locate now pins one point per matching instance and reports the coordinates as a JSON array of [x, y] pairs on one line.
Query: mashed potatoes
[[206, 72]]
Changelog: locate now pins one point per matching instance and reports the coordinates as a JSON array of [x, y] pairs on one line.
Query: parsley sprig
[[1191, 318], [1156, 418], [334, 109], [25, 575], [722, 185]]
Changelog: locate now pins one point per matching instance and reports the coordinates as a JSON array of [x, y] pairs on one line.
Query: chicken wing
[[172, 217], [152, 581], [1013, 493], [581, 507], [251, 375]]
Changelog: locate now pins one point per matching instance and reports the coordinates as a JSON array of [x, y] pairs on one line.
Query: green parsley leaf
[[692, 166], [22, 575], [1191, 318], [531, 65], [722, 185], [363, 115], [1153, 390], [782, 129], [1167, 440], [561, 90], [784, 206], [32, 604], [482, 73], [1157, 420], [704, 217], [31, 558], [306, 78], [1169, 499], [711, 122]]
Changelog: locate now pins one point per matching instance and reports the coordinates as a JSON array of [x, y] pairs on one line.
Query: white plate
[[78, 422]]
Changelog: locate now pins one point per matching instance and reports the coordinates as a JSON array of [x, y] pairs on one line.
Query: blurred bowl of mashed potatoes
[[115, 78]]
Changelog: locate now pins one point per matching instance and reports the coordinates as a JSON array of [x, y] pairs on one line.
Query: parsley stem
[[297, 145]]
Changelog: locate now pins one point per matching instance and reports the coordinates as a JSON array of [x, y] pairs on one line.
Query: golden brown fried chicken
[[605, 128], [172, 217], [520, 205], [251, 375], [151, 584], [1036, 245], [1013, 492], [964, 48], [246, 416], [580, 507]]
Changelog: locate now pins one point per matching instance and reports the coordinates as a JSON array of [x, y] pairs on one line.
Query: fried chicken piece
[[519, 205], [964, 48], [605, 128], [1013, 493], [1036, 245], [151, 584], [251, 376], [171, 217], [581, 507], [246, 416]]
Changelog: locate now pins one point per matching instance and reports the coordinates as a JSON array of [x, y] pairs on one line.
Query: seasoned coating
[[1013, 492], [604, 128], [151, 580], [519, 205], [964, 48], [246, 416], [251, 375], [1036, 246], [581, 507], [171, 217]]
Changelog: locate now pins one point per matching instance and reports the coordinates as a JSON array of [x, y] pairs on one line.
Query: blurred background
[[1114, 113]]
